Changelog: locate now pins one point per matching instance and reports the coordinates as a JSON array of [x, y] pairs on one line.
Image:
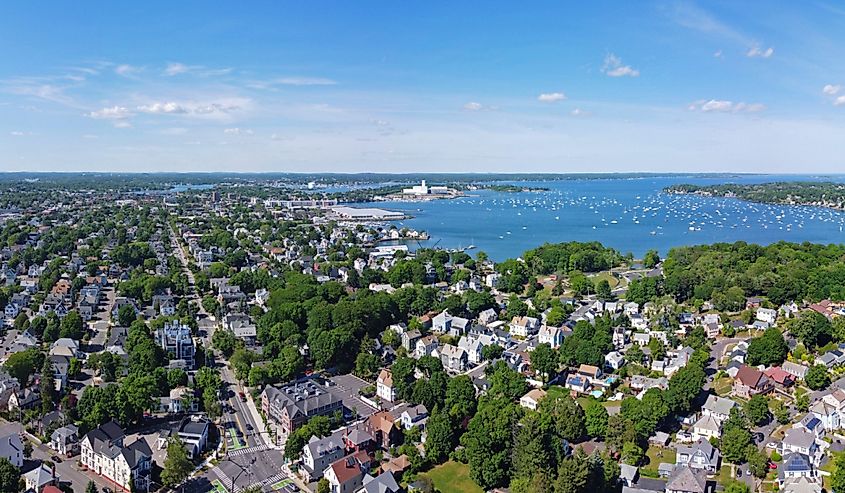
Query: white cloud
[[717, 54], [831, 89], [839, 101], [724, 106], [168, 107], [305, 81], [613, 67], [111, 113], [237, 131], [757, 52], [551, 97], [579, 112], [18, 133], [126, 70], [122, 124], [213, 108], [176, 68], [473, 106]]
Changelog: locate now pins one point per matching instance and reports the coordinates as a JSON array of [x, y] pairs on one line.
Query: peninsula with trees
[[810, 193]]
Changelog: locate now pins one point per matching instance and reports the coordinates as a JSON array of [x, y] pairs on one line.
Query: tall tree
[[440, 439], [177, 465], [10, 477], [48, 387], [544, 361]]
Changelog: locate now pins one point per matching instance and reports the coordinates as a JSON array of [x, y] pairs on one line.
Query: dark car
[[56, 459], [249, 427], [757, 437]]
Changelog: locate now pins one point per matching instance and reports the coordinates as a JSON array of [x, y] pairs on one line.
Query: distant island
[[820, 194], [511, 188]]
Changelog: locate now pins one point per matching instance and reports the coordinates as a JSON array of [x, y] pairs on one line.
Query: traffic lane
[[250, 426], [258, 466]]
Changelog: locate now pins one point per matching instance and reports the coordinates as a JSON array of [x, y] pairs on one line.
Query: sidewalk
[[263, 433]]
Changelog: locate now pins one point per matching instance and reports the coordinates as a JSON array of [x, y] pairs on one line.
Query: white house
[[532, 399], [11, 448], [104, 453], [767, 315], [524, 326], [552, 336], [384, 386]]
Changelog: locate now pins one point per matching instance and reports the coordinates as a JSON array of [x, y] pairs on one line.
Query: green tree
[[460, 398], [651, 259], [10, 477], [48, 387], [757, 410], [544, 361], [534, 449], [492, 352], [735, 442], [125, 315], [632, 454], [758, 462], [71, 326], [737, 487], [837, 479], [811, 328], [91, 488], [603, 291], [566, 415], [768, 349], [323, 486], [817, 377], [440, 440], [488, 442], [177, 465], [596, 417]]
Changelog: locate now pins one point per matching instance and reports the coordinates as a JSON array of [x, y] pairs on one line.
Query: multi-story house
[[291, 405], [700, 455], [524, 326], [384, 386], [175, 339], [103, 452], [319, 453]]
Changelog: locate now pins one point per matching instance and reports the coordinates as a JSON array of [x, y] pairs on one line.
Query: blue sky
[[423, 86]]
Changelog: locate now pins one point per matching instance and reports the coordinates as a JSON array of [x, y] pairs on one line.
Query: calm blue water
[[631, 215]]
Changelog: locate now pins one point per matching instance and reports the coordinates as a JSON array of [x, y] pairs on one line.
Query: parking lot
[[346, 387]]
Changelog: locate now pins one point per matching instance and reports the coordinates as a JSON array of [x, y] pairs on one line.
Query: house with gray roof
[[686, 480], [795, 466], [104, 453], [291, 405], [700, 455], [11, 448], [319, 453], [383, 483]]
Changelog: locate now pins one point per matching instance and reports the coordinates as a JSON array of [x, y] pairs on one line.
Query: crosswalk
[[248, 450], [226, 480], [273, 479]]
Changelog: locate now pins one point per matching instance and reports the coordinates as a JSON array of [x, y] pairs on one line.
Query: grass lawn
[[218, 486], [453, 477], [557, 391], [611, 279], [656, 455], [723, 386]]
